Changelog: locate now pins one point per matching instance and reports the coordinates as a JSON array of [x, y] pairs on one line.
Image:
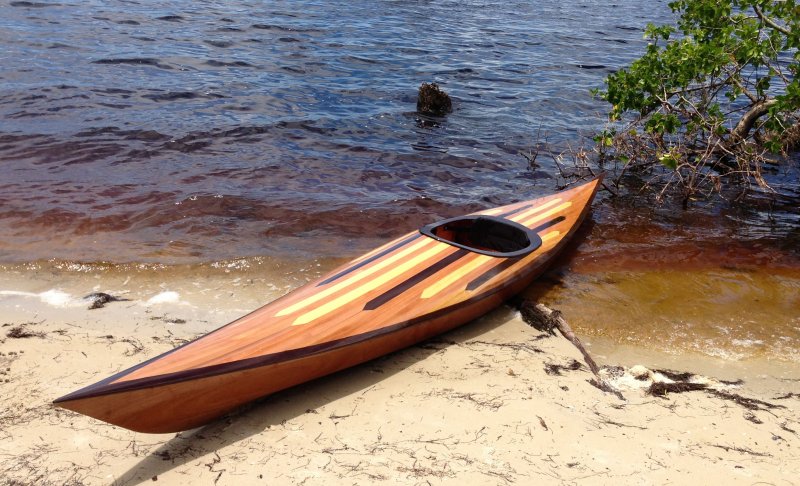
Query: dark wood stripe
[[369, 260], [106, 388], [515, 211], [548, 224], [410, 282], [497, 269], [489, 274]]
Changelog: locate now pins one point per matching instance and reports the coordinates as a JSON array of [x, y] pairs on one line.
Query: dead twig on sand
[[683, 382], [742, 450], [545, 319]]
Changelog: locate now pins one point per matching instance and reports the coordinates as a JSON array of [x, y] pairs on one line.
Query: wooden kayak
[[415, 287]]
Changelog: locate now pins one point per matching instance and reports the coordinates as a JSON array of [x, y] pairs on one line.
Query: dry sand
[[494, 402]]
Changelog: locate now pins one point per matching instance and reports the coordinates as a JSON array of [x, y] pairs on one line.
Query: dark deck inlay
[[410, 282], [515, 211]]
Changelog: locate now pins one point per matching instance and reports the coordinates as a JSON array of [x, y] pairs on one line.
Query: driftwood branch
[[546, 319]]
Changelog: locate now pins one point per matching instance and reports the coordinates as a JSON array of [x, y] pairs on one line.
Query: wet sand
[[481, 404]]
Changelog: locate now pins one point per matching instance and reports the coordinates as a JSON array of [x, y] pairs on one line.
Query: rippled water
[[194, 131]]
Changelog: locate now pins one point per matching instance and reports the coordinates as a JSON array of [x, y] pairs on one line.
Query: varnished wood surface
[[405, 291]]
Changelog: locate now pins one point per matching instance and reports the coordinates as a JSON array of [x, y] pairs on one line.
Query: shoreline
[[475, 404], [731, 313]]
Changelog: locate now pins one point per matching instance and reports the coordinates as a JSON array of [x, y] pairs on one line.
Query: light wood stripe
[[530, 212], [455, 276], [354, 278], [546, 214], [370, 285], [491, 212], [549, 236]]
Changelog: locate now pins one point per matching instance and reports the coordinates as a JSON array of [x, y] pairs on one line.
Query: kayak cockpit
[[487, 235]]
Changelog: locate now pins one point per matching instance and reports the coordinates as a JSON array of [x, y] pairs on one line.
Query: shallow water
[[656, 280], [730, 314], [272, 142]]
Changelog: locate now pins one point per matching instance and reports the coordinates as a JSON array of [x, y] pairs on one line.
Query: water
[[145, 134], [188, 131]]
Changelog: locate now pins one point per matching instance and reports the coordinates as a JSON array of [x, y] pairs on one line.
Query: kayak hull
[[402, 293]]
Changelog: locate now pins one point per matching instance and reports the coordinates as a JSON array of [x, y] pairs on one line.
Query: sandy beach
[[494, 402]]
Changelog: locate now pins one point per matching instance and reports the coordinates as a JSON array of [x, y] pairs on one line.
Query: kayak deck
[[410, 289]]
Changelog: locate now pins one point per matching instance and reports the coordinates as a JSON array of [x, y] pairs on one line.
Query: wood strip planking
[[254, 338], [414, 280], [316, 297], [489, 274], [508, 208], [262, 353], [534, 210], [371, 285], [250, 335], [454, 276], [548, 224], [510, 212], [137, 405], [268, 359], [546, 214], [549, 236]]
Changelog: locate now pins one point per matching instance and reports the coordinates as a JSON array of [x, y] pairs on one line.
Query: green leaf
[[668, 160]]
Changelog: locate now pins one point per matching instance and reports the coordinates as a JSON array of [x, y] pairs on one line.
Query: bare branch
[[770, 22], [749, 119]]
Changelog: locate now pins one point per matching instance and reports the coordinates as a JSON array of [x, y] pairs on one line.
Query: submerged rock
[[433, 101], [99, 299]]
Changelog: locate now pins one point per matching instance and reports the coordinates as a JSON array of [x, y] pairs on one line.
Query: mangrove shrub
[[714, 100]]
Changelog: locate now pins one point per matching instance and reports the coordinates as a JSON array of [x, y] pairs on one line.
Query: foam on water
[[166, 297], [52, 297]]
